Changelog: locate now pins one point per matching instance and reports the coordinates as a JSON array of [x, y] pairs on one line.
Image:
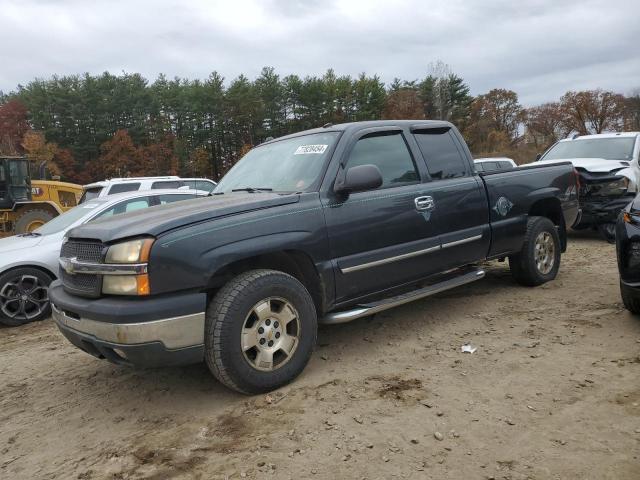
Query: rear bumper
[[152, 336]]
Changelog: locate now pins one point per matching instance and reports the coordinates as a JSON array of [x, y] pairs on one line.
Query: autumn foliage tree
[[40, 152], [68, 167], [199, 162], [119, 158], [159, 158], [404, 103], [13, 126], [494, 121], [546, 124], [592, 111]]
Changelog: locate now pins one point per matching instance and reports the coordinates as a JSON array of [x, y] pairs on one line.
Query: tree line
[[88, 127]]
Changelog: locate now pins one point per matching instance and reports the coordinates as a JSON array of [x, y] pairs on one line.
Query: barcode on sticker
[[306, 149]]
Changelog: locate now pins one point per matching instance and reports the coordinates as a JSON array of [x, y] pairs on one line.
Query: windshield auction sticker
[[309, 149]]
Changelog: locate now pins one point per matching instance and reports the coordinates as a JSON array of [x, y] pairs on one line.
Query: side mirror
[[538, 157], [359, 179]]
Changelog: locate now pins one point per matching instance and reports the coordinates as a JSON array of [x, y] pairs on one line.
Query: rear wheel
[[630, 298], [539, 259], [24, 296], [260, 330], [29, 220]]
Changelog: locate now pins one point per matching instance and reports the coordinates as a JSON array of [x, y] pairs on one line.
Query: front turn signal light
[[627, 217], [126, 285]]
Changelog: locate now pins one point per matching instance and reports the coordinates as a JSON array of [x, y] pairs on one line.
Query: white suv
[[121, 185]]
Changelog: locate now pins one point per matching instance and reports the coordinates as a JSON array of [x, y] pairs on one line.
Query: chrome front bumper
[[173, 333]]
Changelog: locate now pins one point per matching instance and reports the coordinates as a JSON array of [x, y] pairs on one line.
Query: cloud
[[538, 48]]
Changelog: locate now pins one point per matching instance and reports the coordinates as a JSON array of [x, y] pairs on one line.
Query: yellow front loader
[[25, 204]]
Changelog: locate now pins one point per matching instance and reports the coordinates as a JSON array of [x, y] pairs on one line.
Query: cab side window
[[389, 152], [126, 206], [441, 153]]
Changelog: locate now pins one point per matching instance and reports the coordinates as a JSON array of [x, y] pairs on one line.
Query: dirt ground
[[553, 392]]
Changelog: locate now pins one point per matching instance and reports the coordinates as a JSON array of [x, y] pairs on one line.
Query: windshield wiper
[[30, 234], [252, 189]]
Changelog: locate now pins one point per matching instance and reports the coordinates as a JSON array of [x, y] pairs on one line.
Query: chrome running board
[[370, 308]]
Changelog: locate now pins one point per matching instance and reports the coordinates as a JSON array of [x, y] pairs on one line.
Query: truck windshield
[[290, 165], [620, 148]]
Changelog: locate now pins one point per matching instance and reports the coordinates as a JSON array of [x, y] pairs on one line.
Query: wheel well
[[295, 263], [35, 267], [551, 209]]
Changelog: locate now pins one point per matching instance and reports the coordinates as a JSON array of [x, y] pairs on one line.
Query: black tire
[[524, 266], [29, 217], [15, 284], [630, 298], [228, 314], [607, 231]]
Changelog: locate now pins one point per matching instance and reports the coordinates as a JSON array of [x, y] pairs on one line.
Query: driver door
[[383, 237]]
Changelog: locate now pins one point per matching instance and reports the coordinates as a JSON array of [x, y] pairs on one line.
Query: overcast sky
[[539, 48]]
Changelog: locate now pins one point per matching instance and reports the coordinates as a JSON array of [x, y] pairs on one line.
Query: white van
[[121, 185]]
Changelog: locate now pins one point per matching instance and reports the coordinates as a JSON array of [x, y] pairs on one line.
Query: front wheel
[[260, 330], [539, 259], [24, 296]]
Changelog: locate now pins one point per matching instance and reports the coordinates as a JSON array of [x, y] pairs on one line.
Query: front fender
[[187, 258]]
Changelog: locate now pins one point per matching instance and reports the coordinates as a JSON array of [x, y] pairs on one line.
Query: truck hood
[[594, 165], [160, 219]]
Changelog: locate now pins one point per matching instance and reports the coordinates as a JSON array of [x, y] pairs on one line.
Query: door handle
[[425, 203]]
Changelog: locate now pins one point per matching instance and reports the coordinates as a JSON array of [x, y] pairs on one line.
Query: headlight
[[617, 187], [130, 275], [133, 251]]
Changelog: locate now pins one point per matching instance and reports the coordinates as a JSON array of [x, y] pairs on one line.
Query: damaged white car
[[609, 175]]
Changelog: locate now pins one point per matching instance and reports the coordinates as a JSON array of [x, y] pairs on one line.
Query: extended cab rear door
[[460, 208]]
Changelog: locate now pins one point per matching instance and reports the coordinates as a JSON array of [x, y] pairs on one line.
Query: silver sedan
[[29, 262]]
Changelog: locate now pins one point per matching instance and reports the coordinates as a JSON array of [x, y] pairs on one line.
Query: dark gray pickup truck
[[327, 225]]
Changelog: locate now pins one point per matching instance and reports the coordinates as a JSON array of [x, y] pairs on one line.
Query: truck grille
[[82, 284], [87, 251]]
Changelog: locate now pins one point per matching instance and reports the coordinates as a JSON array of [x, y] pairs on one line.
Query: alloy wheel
[[24, 297], [270, 334], [544, 252]]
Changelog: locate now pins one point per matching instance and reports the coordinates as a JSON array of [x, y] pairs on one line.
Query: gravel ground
[[552, 392]]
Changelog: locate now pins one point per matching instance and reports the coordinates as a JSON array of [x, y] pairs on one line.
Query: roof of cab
[[355, 126]]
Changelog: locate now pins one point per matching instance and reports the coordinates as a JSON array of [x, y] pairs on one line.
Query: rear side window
[[124, 187], [505, 165], [161, 185], [441, 154], [387, 151], [479, 167]]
